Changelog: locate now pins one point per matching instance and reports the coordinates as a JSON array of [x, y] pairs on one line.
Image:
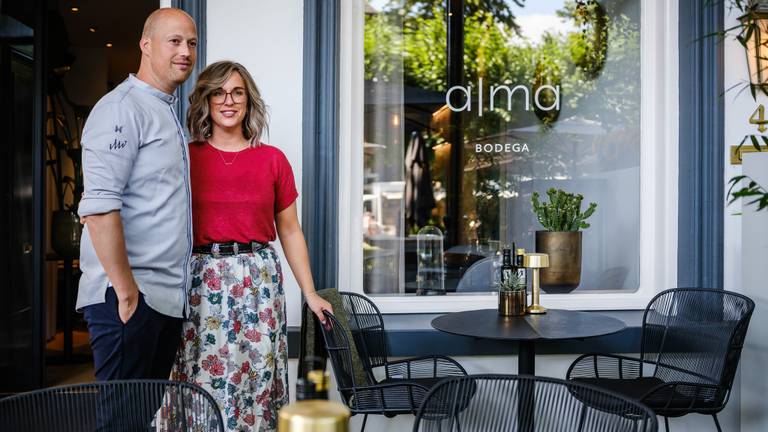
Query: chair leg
[[582, 418], [365, 419], [717, 423], [666, 424]]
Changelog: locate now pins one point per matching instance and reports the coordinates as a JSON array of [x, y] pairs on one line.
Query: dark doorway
[[92, 46], [20, 233], [57, 58]]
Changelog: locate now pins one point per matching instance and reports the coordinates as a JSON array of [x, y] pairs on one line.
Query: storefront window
[[548, 97]]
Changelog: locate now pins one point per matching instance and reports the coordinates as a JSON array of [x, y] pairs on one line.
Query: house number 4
[[758, 118]]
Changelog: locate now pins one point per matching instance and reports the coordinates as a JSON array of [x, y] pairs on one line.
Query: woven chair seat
[[691, 344]]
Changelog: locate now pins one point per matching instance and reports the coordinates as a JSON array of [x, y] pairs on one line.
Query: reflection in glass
[[430, 278], [589, 50]]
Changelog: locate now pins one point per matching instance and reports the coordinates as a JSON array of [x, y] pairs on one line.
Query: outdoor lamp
[[536, 262], [757, 44]]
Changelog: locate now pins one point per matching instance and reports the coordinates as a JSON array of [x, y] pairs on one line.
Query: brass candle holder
[[535, 262]]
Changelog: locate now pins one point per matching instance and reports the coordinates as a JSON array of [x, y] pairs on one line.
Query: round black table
[[556, 324]]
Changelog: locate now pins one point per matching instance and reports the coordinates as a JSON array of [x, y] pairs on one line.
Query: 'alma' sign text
[[510, 93]]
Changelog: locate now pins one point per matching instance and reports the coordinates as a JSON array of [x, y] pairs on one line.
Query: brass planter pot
[[564, 249], [512, 303]]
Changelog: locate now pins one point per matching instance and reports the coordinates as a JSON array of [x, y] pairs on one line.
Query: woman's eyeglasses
[[219, 96]]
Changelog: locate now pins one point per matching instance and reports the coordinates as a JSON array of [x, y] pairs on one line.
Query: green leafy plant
[[589, 48], [752, 191], [562, 212], [744, 31], [512, 284], [63, 150]]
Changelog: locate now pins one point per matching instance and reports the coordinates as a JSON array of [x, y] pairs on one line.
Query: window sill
[[579, 300], [410, 335]]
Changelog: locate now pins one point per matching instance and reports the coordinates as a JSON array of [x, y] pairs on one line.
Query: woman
[[243, 195]]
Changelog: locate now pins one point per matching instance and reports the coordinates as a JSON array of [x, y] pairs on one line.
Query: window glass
[[548, 96]]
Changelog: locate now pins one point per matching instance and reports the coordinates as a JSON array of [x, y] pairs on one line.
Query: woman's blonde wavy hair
[[213, 77]]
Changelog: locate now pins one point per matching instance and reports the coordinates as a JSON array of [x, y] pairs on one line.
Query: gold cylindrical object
[[314, 416], [535, 262], [512, 303]]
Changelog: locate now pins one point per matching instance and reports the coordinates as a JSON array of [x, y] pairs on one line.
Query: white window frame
[[658, 173]]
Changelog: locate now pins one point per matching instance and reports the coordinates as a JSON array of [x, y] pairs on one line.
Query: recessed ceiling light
[[92, 29], [109, 44], [74, 9]]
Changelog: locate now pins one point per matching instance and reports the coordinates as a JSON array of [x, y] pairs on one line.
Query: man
[[137, 239]]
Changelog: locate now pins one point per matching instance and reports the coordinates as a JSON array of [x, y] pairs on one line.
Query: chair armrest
[[680, 394], [435, 366], [381, 398], [605, 366]]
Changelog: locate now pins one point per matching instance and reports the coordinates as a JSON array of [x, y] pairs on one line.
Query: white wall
[[754, 385], [266, 36], [750, 394]]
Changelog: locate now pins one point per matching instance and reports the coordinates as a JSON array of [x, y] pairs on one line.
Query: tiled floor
[[61, 374], [69, 374]]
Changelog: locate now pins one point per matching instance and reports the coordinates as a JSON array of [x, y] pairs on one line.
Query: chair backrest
[[488, 403], [696, 335], [479, 277], [367, 327], [338, 345], [135, 405]]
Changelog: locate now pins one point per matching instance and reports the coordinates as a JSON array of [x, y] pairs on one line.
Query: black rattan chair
[[402, 384], [131, 405], [490, 403], [690, 349]]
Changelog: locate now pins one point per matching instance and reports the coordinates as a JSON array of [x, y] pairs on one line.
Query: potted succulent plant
[[512, 296], [562, 220]]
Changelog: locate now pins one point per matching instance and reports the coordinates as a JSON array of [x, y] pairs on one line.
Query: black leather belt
[[230, 248]]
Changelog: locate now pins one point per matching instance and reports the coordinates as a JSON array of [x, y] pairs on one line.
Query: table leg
[[526, 358], [526, 402]]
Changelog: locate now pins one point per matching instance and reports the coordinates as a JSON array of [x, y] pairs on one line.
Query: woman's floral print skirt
[[235, 340]]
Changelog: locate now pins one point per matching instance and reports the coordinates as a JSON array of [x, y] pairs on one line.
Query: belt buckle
[[235, 249], [216, 250]]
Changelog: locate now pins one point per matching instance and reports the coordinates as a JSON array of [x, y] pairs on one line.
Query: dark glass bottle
[[522, 273], [313, 386], [305, 390], [507, 268]]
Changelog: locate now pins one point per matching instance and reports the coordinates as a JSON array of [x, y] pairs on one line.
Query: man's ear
[[145, 45]]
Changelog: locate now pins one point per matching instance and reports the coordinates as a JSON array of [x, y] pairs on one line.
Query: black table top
[[555, 324]]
